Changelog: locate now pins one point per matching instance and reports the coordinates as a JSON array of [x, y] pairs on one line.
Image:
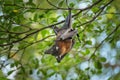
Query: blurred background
[[25, 33]]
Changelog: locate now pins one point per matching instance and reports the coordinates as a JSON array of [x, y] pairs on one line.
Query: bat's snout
[[47, 52]]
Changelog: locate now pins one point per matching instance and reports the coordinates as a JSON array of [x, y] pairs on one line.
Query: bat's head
[[53, 50], [50, 50]]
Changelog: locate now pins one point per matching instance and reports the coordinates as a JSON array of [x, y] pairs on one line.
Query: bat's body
[[61, 47], [64, 40]]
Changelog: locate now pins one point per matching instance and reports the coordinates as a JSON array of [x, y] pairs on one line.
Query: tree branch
[[30, 45], [104, 41], [99, 12], [6, 44], [56, 8]]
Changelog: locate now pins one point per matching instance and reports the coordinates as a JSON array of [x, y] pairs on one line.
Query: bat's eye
[[57, 47]]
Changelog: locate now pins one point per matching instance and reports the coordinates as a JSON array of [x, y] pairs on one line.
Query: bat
[[64, 40], [60, 48]]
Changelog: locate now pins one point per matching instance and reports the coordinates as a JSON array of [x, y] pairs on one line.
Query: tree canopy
[[26, 32]]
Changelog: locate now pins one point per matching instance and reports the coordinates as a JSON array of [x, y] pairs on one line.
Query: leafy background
[[25, 33]]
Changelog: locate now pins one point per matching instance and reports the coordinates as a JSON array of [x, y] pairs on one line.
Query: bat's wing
[[66, 31], [68, 22], [56, 29], [67, 34]]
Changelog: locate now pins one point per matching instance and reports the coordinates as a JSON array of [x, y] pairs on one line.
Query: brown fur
[[64, 46]]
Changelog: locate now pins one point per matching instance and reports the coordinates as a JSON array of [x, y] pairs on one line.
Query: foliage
[[26, 32]]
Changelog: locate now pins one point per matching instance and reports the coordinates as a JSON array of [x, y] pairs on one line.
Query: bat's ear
[[68, 20], [59, 57], [48, 51], [53, 51], [68, 34], [55, 29]]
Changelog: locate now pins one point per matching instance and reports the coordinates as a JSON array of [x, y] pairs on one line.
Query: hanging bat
[[60, 48], [64, 40]]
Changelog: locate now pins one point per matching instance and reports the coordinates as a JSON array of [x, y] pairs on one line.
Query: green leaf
[[93, 56], [36, 63], [87, 51], [23, 69], [98, 65], [95, 9], [30, 1], [99, 71], [81, 36], [54, 19], [10, 72], [41, 16], [89, 42], [60, 3], [12, 65], [35, 17], [78, 0], [72, 4], [44, 33], [3, 78], [87, 68], [30, 71], [103, 59]]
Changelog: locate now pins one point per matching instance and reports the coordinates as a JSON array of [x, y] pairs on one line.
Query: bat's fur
[[64, 40], [61, 48]]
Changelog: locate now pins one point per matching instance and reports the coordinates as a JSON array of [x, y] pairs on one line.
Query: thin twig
[[53, 5], [117, 13], [67, 4]]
